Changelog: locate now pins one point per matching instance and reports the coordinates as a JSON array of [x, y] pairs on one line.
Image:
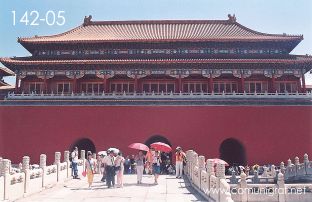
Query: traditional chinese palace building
[[213, 85]]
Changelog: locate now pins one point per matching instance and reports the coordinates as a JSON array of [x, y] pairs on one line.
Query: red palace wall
[[270, 134]]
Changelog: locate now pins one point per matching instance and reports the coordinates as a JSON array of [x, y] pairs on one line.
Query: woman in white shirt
[[156, 165], [139, 160], [119, 164]]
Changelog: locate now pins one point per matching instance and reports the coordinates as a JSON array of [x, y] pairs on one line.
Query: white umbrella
[[104, 153], [115, 150]]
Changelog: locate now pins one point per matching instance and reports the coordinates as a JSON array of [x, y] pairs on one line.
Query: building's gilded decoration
[[179, 73], [75, 74], [45, 74], [136, 73], [104, 73]]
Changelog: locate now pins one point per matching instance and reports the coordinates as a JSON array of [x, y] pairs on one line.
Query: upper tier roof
[[160, 30]]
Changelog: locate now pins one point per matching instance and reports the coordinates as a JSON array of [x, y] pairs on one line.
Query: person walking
[[74, 163], [110, 169], [127, 165], [119, 165], [180, 155], [103, 168], [139, 160], [90, 165], [156, 165], [149, 161]]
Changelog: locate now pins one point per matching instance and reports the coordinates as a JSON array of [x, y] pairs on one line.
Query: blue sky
[[270, 16]]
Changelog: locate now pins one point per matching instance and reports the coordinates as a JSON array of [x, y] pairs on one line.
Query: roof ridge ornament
[[232, 18], [87, 20]]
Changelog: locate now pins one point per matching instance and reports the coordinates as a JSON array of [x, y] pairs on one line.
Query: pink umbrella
[[160, 146], [216, 161], [139, 146]]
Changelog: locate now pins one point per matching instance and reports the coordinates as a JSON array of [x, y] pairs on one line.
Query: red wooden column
[[75, 84], [16, 83], [242, 88], [179, 83], [105, 87], [22, 86], [210, 84], [45, 87], [273, 90], [303, 83], [136, 89]]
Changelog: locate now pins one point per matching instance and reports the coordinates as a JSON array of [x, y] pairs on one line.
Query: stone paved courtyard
[[168, 189]]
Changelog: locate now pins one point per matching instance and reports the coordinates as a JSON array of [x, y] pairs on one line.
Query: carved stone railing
[[209, 182], [271, 185], [298, 172], [202, 95], [28, 181]]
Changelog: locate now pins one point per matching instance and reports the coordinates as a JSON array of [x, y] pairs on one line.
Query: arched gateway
[[232, 151], [84, 144], [159, 138]]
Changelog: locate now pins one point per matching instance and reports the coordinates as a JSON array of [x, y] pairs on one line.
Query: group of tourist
[[113, 164]]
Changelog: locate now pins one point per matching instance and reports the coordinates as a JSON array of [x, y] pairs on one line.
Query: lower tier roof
[[34, 61]]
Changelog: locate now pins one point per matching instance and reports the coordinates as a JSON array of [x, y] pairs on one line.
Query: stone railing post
[[43, 165], [83, 158], [189, 161], [273, 171], [6, 174], [66, 160], [306, 163], [220, 171], [10, 166], [297, 162], [201, 166], [188, 153], [243, 187], [210, 167], [57, 162], [1, 172], [282, 167], [265, 171], [194, 163], [220, 174], [25, 169], [82, 154], [210, 170], [281, 187]]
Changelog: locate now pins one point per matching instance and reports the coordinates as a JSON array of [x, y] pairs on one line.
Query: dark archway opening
[[233, 152], [164, 156], [157, 138], [83, 144]]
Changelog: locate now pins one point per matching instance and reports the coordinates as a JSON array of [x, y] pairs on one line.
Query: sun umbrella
[[115, 150], [139, 146], [104, 153], [216, 161], [160, 146]]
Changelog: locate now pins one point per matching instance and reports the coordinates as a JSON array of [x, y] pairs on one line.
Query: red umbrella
[[139, 146], [216, 161], [160, 146]]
